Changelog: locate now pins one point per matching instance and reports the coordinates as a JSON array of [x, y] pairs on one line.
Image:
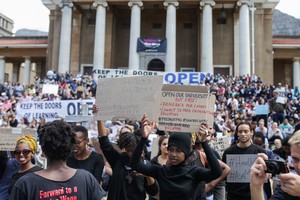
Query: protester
[[24, 152], [125, 183], [238, 191], [289, 182], [58, 180], [178, 180], [82, 157]]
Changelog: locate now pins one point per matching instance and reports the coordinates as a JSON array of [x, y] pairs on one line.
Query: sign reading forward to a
[[183, 108]]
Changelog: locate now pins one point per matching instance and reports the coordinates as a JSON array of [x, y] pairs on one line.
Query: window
[[188, 26], [156, 26]]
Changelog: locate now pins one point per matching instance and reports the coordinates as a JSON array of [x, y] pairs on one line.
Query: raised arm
[[135, 162], [110, 153], [215, 170]]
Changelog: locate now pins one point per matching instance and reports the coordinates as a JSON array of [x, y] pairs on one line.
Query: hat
[[182, 141]]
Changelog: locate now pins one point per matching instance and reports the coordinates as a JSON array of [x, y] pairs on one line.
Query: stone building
[[217, 36]]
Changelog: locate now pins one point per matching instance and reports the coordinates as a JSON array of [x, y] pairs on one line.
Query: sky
[[32, 14]]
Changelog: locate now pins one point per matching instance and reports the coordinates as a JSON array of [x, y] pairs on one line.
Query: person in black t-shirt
[[25, 150], [238, 191], [58, 181], [82, 157]]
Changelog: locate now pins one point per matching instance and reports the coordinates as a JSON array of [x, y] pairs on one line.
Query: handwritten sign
[[220, 144], [183, 108], [240, 165], [127, 97], [9, 137]]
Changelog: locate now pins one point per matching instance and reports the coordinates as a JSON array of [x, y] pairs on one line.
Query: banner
[[151, 45], [52, 110], [180, 78]]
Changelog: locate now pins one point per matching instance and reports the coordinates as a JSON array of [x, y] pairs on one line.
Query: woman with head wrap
[[26, 148]]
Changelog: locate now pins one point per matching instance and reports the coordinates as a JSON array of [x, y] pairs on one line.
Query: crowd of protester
[[235, 116]]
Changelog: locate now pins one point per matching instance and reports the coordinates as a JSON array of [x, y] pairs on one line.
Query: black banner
[[151, 45]]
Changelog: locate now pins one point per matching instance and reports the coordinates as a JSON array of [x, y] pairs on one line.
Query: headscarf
[[31, 141]]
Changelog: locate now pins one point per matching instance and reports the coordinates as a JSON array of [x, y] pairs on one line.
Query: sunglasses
[[25, 152], [79, 142]]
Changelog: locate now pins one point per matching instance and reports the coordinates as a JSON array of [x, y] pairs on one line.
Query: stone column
[[27, 69], [2, 69], [296, 72], [207, 36], [171, 36], [135, 32], [244, 37], [99, 43], [65, 37]]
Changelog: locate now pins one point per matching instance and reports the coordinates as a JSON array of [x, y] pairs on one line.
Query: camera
[[276, 167]]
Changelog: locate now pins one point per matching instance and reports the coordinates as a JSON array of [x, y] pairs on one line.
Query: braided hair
[[126, 139], [57, 139]]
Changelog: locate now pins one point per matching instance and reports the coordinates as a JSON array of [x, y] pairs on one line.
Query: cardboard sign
[[183, 108], [220, 144], [261, 109], [240, 165], [128, 97], [281, 100], [50, 89], [9, 137]]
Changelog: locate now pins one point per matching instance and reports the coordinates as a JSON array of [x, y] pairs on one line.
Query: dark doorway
[[221, 71], [156, 65], [87, 70]]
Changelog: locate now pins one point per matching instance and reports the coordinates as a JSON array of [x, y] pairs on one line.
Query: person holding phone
[[290, 183]]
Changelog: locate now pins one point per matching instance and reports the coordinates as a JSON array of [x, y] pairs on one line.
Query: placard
[[220, 144], [261, 109], [50, 89], [127, 97], [183, 108], [281, 100], [9, 137], [240, 165]]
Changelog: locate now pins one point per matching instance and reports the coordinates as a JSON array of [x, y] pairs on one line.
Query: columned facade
[[65, 37], [135, 31], [244, 37], [2, 68], [97, 34], [296, 72], [99, 43], [170, 65], [27, 68], [207, 36]]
